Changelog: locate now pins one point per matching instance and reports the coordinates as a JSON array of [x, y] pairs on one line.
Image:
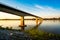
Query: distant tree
[[0, 26], [10, 28], [7, 27]]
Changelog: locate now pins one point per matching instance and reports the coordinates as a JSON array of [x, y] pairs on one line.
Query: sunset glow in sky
[[42, 8]]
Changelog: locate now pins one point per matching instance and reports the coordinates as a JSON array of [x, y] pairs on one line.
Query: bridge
[[14, 11]]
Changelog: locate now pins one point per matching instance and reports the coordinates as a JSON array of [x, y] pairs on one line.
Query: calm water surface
[[50, 26], [15, 23], [47, 25]]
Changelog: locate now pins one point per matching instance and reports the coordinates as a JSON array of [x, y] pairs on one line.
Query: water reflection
[[36, 26], [15, 23], [50, 26]]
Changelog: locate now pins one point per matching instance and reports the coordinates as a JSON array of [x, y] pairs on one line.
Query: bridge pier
[[36, 21], [40, 21], [22, 24], [22, 20]]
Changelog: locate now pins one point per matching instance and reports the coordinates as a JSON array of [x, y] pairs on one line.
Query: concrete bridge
[[8, 9]]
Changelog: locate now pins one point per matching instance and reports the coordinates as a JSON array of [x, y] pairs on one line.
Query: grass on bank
[[36, 34], [7, 28], [41, 35]]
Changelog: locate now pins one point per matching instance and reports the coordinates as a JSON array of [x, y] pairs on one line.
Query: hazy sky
[[42, 8]]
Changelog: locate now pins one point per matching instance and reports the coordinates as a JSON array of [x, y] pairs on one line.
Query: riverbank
[[42, 35], [33, 34], [12, 34], [51, 18]]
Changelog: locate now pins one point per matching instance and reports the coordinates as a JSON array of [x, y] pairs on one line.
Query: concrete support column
[[39, 21], [22, 23], [36, 21]]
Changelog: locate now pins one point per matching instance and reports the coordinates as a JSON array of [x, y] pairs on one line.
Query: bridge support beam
[[36, 21], [22, 25], [40, 21], [22, 20]]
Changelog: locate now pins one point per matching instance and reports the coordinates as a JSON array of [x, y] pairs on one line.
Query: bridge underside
[[17, 12], [14, 11]]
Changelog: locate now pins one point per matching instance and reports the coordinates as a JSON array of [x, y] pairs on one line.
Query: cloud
[[47, 11], [39, 7]]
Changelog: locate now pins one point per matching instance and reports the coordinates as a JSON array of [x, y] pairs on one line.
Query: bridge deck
[[14, 11]]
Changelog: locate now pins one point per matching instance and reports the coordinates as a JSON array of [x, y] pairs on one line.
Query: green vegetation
[[36, 34], [51, 18], [7, 28], [41, 35]]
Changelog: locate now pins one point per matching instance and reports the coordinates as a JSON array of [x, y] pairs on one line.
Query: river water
[[52, 26]]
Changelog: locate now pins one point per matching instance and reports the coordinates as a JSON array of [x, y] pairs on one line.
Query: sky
[[42, 8]]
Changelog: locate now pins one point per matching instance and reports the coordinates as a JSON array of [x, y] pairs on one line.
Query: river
[[52, 26]]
